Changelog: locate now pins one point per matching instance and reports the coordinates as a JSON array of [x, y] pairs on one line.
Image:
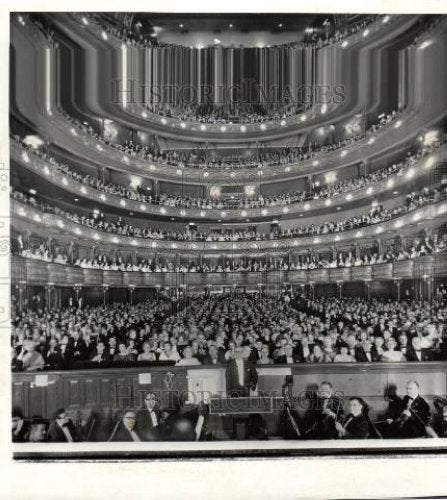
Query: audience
[[208, 329], [317, 191]]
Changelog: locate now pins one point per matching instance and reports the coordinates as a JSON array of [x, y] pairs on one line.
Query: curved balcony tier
[[53, 124], [33, 272], [25, 214], [37, 164]]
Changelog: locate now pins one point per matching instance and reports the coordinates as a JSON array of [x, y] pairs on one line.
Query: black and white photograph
[[228, 234]]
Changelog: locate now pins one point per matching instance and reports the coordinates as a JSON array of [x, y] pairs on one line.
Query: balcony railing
[[41, 167], [56, 223], [35, 272]]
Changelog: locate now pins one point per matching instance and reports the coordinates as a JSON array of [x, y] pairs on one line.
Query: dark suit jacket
[[356, 427], [414, 426], [144, 426], [53, 360], [360, 355], [324, 425], [123, 435], [426, 355], [283, 359], [56, 434], [234, 388]]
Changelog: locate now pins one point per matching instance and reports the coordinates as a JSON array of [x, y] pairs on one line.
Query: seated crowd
[[334, 35], [317, 191], [51, 251], [377, 214], [199, 158], [208, 329]]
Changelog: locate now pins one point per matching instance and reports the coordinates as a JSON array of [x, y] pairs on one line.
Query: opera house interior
[[228, 227]]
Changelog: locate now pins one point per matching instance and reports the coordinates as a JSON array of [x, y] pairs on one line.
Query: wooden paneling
[[119, 388]]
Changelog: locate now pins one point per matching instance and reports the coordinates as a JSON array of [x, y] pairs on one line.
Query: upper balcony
[[344, 194]]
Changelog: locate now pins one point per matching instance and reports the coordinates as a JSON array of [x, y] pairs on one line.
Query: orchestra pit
[[228, 228]]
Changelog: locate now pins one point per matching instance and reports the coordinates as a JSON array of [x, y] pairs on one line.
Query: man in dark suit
[[327, 410], [241, 375], [416, 353], [19, 426], [355, 425], [241, 378], [126, 432], [149, 421], [62, 429], [53, 358], [356, 350], [415, 416]]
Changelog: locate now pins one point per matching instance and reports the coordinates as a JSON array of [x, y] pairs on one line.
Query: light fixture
[[425, 44]]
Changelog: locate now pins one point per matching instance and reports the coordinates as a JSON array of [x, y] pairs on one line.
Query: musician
[[37, 430], [241, 375], [126, 431], [415, 416], [19, 427], [355, 425], [149, 420], [62, 429], [328, 410]]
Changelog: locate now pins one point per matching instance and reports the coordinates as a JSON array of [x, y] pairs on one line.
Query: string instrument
[[202, 421], [430, 432], [288, 405]]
